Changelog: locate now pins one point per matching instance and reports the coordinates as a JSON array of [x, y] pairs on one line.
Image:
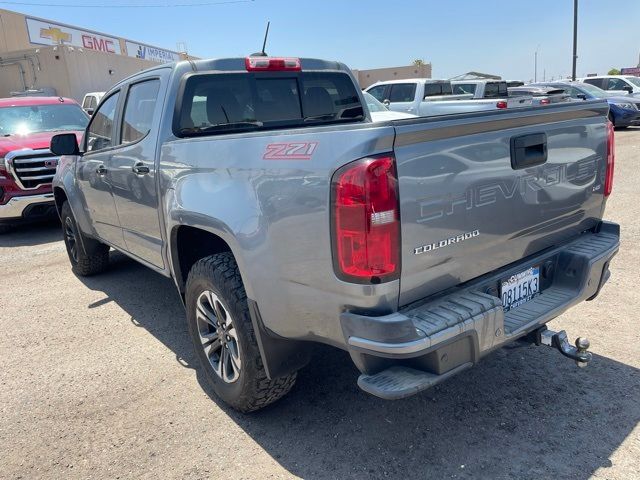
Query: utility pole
[[575, 38], [535, 66]]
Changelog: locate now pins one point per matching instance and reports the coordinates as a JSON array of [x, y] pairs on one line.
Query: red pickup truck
[[26, 164]]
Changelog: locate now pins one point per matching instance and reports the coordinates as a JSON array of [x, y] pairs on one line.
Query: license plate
[[520, 288]]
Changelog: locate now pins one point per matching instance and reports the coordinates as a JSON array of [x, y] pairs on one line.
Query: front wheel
[[220, 327], [82, 263]]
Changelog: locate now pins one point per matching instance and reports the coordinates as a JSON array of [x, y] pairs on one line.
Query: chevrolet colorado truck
[[26, 164], [285, 216]]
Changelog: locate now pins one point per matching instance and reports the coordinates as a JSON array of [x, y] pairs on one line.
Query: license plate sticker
[[520, 288]]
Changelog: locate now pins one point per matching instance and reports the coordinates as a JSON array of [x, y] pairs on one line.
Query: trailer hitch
[[560, 342]]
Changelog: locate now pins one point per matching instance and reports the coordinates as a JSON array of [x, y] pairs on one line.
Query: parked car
[[620, 84], [26, 164], [428, 97], [624, 111], [380, 112], [91, 101], [540, 95], [285, 216], [494, 89]]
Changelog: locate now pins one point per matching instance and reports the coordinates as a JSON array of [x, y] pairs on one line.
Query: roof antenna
[[264, 44]]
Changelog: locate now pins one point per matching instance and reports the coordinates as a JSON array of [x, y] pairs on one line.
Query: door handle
[[140, 169], [101, 170], [528, 150]]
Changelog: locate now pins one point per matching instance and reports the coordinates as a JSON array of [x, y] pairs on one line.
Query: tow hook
[[560, 342]]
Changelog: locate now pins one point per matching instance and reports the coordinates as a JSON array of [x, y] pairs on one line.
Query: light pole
[[575, 38], [535, 64]]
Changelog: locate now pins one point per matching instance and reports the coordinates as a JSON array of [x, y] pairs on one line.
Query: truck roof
[[236, 64], [410, 80], [31, 101]]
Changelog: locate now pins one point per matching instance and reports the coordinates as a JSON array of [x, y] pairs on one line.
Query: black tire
[[611, 119], [252, 390], [82, 264], [5, 229]]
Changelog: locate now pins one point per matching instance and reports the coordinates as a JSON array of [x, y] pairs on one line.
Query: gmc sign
[[97, 43]]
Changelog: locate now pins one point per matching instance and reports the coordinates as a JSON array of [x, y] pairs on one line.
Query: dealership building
[[53, 58]]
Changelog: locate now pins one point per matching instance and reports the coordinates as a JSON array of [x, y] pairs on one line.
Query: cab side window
[[139, 109], [616, 84], [101, 133]]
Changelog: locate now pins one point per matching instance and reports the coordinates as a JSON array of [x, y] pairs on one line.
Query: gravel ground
[[99, 381]]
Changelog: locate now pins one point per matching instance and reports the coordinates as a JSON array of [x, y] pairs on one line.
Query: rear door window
[[219, 103], [598, 82], [402, 92], [436, 89]]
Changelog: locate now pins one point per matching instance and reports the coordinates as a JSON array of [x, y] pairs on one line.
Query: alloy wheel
[[218, 336]]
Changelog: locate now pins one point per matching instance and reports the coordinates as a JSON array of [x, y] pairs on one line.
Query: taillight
[[501, 104], [545, 101], [611, 157], [272, 64], [366, 225]]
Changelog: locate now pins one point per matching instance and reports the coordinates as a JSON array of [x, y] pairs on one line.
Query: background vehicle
[[26, 164], [427, 97], [285, 216], [380, 113], [540, 95], [619, 84], [91, 101], [495, 89], [624, 111]]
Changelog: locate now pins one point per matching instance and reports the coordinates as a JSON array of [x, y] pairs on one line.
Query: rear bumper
[[454, 330], [27, 207]]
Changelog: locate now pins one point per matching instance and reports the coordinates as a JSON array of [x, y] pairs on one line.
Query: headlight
[[628, 106]]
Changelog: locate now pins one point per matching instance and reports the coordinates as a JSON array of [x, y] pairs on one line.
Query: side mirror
[[64, 144], [89, 111], [581, 96], [628, 88]]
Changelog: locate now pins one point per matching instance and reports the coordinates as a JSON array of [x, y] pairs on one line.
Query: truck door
[[133, 169], [93, 174]]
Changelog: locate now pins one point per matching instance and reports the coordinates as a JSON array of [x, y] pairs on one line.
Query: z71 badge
[[290, 151], [446, 242]]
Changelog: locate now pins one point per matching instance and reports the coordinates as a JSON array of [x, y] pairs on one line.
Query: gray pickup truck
[[286, 217]]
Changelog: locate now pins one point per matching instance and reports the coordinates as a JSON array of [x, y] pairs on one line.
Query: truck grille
[[33, 168]]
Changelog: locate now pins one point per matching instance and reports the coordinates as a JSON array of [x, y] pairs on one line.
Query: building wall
[[369, 77], [71, 72], [13, 32]]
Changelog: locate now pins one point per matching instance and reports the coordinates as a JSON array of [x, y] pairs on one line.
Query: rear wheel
[[82, 264], [224, 339], [5, 229]]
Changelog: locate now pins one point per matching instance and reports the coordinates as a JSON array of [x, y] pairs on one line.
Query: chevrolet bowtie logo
[[55, 34]]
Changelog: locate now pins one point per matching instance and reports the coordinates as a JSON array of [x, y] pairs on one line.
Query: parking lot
[[100, 381]]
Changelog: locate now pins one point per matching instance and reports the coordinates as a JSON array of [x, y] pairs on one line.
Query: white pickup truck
[[490, 89], [427, 97]]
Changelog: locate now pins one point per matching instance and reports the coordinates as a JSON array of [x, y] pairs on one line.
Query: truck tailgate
[[466, 211]]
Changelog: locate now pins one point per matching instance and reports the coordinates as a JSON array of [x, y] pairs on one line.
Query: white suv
[[618, 83]]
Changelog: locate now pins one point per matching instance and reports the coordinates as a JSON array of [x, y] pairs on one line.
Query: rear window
[[231, 102], [495, 90]]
